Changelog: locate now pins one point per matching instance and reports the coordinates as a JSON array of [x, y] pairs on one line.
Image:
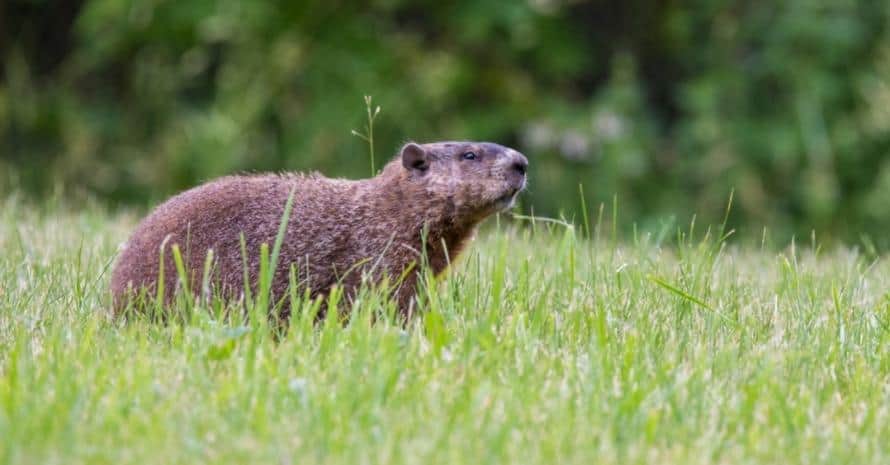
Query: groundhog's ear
[[414, 157]]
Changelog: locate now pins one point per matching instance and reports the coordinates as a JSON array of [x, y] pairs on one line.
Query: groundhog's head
[[480, 178]]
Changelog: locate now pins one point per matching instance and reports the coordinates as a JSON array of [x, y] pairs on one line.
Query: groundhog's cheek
[[482, 191], [497, 189]]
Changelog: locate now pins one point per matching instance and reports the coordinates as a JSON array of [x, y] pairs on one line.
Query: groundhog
[[426, 202]]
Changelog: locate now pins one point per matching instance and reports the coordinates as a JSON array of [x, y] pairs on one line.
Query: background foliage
[[666, 105]]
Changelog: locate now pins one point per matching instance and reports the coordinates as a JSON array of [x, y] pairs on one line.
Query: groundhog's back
[[213, 216]]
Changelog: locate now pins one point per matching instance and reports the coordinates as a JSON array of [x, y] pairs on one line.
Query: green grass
[[539, 347]]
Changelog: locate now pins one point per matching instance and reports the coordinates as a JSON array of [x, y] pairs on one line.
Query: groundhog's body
[[338, 229]]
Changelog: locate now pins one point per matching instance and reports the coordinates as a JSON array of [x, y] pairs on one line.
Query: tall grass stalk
[[368, 135]]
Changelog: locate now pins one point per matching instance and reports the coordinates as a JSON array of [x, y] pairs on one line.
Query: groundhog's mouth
[[508, 200]]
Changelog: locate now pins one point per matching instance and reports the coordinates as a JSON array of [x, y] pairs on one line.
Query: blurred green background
[[667, 105]]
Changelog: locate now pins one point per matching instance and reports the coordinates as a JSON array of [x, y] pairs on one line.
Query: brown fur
[[370, 227]]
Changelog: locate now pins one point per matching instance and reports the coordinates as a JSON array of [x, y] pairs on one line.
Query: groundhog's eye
[[469, 156]]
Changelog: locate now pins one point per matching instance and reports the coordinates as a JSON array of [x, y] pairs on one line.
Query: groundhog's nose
[[520, 163]]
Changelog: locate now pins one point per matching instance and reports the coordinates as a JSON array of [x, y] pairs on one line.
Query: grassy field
[[540, 347]]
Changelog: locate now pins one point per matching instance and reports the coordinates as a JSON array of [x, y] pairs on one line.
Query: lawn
[[541, 346]]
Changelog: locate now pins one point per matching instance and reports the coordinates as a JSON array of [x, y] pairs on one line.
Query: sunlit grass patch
[[539, 346]]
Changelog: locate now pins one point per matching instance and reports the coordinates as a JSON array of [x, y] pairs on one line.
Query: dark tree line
[[668, 105]]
